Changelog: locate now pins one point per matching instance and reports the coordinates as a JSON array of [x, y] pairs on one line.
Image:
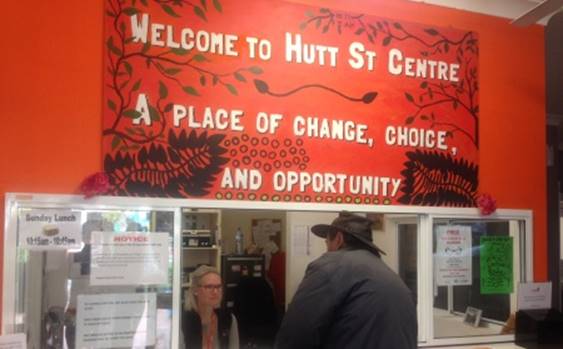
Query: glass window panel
[[51, 284], [477, 268]]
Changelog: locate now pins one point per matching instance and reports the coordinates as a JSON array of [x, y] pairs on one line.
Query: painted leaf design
[[217, 5], [239, 77], [162, 90], [190, 90], [179, 51], [199, 12], [136, 85], [432, 178], [169, 10], [184, 167], [232, 89], [130, 11], [111, 46], [255, 70], [111, 104]]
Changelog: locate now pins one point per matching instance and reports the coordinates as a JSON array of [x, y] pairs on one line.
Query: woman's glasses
[[211, 287]]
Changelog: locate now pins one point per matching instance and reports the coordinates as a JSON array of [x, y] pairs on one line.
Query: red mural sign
[[274, 101]]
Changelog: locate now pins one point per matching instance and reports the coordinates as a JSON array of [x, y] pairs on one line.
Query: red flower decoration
[[96, 184], [487, 204]]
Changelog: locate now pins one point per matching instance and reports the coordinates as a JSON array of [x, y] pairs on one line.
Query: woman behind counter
[[205, 324]]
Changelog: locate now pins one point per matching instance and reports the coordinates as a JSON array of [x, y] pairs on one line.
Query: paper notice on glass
[[49, 230], [116, 320], [534, 295], [129, 259], [163, 328], [453, 255], [13, 341], [300, 240], [497, 264]]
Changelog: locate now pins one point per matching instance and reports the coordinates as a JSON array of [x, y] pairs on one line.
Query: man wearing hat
[[349, 298]]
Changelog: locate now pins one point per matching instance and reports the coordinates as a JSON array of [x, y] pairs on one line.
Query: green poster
[[496, 264]]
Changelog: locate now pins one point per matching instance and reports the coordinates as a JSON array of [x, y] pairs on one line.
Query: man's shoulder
[[326, 260], [355, 264], [357, 256], [343, 259]]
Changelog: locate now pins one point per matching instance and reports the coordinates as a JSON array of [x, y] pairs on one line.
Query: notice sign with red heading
[[129, 259], [452, 260], [274, 101]]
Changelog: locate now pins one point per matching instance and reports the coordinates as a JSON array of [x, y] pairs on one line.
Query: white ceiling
[[510, 9]]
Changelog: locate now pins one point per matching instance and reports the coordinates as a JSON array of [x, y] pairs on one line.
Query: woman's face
[[210, 291]]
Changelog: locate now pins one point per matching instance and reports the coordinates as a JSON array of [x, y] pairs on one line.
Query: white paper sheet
[[116, 320], [534, 295], [453, 256], [129, 259], [300, 240], [13, 341], [49, 230]]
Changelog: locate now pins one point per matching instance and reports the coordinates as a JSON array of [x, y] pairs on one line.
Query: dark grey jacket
[[350, 299]]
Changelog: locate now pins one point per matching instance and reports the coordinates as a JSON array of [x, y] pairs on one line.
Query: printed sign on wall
[[453, 256], [49, 229], [273, 101]]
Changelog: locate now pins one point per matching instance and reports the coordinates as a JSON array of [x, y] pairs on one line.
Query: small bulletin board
[[265, 232]]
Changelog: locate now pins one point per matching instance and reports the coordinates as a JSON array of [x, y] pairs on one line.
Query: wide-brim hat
[[352, 224]]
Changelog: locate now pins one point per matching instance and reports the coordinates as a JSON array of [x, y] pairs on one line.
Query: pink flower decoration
[[486, 204], [96, 184]]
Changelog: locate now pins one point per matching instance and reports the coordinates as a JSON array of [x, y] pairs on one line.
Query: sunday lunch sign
[[275, 101]]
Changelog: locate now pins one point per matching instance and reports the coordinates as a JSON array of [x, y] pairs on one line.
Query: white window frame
[[426, 287], [425, 215]]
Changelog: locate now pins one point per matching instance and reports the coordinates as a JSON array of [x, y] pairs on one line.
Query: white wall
[[298, 258], [386, 240], [510, 9]]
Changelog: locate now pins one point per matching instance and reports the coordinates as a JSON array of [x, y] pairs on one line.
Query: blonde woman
[[205, 324]]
